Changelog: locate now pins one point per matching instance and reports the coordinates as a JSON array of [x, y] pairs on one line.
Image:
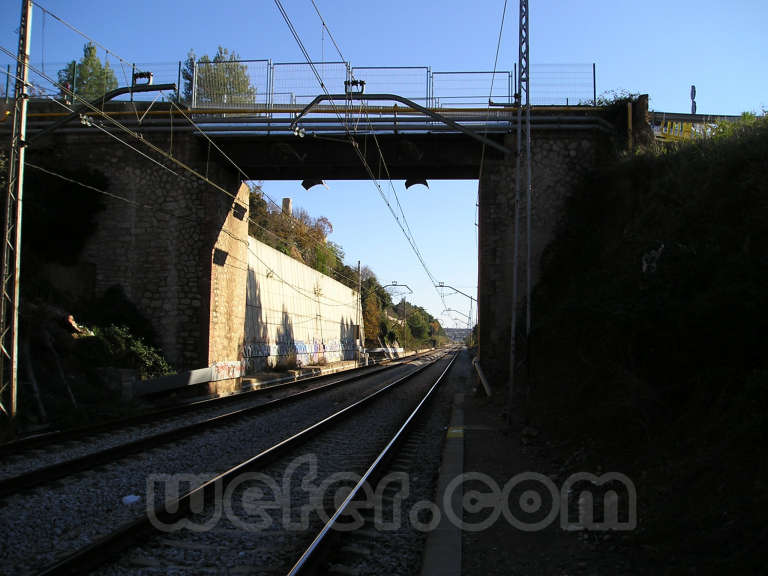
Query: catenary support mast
[[522, 183], [11, 263]]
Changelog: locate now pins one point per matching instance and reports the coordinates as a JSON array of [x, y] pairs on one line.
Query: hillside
[[649, 353]]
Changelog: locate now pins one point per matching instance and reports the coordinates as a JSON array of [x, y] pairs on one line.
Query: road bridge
[[169, 260]]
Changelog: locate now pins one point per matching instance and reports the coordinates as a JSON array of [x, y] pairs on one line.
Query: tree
[[371, 316], [221, 81], [88, 78], [418, 324]]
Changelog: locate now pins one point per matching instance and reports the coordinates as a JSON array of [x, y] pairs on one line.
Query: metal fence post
[[431, 88], [178, 85], [271, 87], [594, 85], [194, 84], [514, 81]]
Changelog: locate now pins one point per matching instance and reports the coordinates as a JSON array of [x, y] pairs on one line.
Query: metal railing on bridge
[[249, 84], [246, 83]]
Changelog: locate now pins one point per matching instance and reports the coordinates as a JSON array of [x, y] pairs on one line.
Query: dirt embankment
[[650, 344]]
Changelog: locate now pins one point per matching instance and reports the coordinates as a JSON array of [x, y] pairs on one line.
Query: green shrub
[[115, 346]]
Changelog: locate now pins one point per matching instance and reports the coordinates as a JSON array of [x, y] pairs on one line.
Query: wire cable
[[354, 144], [330, 35], [159, 210], [247, 177], [158, 150]]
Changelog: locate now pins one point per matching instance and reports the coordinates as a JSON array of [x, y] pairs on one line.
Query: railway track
[[104, 488], [37, 460], [388, 537], [35, 441]]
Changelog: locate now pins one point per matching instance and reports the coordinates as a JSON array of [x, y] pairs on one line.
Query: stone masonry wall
[[157, 243], [559, 162], [229, 278]]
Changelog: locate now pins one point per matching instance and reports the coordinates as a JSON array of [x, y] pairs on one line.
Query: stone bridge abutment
[[560, 160], [177, 245], [174, 244]]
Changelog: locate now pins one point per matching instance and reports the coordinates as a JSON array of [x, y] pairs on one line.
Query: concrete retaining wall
[[295, 316]]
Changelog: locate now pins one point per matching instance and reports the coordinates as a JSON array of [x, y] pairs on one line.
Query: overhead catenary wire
[[330, 34], [79, 32], [354, 144], [298, 289], [409, 234], [124, 62], [485, 132], [247, 177], [96, 111], [380, 152], [158, 210]]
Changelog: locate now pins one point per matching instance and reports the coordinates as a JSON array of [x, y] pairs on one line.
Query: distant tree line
[[305, 238]]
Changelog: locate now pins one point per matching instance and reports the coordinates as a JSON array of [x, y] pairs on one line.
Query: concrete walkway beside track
[[492, 450]]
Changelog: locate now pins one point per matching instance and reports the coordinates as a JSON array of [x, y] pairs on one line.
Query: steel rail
[[52, 472], [313, 551], [58, 436], [105, 548]]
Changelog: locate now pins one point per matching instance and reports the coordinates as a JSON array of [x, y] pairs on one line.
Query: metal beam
[[101, 99], [410, 104]]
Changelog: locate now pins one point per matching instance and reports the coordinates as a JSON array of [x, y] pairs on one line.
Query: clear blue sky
[[654, 47]]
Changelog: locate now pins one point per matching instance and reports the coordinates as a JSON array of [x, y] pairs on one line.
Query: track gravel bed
[[241, 536], [378, 550], [16, 464], [43, 523]]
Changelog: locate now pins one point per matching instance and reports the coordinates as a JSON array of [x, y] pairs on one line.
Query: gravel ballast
[[40, 524]]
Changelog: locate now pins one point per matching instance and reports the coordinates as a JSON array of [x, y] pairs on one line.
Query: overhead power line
[[96, 111], [159, 210], [125, 63], [402, 225]]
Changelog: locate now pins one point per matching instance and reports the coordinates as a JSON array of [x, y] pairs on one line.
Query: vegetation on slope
[[653, 301], [305, 238]]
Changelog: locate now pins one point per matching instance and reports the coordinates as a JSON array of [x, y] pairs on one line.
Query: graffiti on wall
[[226, 370], [263, 354]]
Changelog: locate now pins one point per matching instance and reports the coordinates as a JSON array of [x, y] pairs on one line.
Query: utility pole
[[360, 327], [523, 98], [405, 325], [11, 263]]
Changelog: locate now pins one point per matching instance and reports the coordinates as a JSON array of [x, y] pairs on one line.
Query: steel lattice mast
[[523, 98], [11, 263]]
